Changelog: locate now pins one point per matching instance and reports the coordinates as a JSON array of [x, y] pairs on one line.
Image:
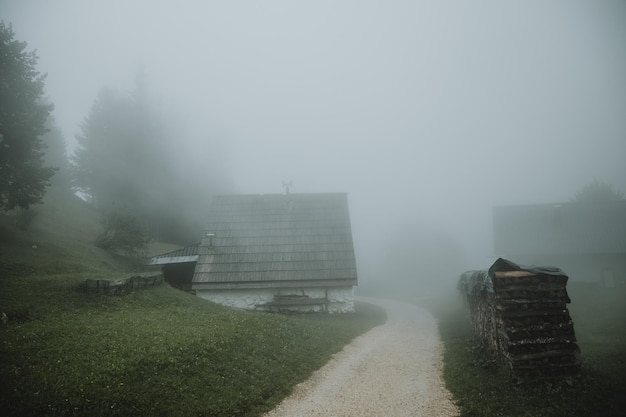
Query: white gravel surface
[[392, 370]]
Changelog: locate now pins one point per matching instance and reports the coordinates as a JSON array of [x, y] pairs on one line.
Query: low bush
[[122, 233]]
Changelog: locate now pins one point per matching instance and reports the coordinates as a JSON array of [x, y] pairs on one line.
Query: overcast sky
[[427, 113]]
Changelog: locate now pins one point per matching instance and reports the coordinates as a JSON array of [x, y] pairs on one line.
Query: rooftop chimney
[[207, 240], [287, 185]]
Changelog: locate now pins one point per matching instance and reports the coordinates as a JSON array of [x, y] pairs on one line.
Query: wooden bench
[[283, 302]]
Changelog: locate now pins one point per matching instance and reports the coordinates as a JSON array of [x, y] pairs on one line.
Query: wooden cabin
[[276, 252]]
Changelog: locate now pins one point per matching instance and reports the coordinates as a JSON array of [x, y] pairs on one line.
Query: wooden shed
[[588, 240], [276, 252]]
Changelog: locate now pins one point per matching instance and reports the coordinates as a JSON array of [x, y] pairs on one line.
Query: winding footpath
[[392, 370]]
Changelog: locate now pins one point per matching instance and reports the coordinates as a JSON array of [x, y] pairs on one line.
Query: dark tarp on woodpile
[[521, 313], [504, 265], [475, 282]]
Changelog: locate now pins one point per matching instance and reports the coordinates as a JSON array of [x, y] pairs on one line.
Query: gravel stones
[[392, 370]]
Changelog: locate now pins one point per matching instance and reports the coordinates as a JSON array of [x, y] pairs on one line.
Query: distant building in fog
[[271, 252], [586, 240]]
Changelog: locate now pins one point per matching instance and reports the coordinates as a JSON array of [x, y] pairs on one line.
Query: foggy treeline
[[133, 159], [427, 114]]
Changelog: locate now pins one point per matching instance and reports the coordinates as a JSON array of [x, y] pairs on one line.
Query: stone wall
[[115, 286]]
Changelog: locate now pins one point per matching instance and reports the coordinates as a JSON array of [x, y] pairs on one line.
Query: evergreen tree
[[122, 159], [597, 192], [132, 159], [56, 155], [23, 115], [97, 164]]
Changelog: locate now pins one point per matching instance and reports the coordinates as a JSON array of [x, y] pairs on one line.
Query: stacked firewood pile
[[521, 314]]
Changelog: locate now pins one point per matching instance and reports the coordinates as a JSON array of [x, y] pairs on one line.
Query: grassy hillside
[[156, 351], [59, 238]]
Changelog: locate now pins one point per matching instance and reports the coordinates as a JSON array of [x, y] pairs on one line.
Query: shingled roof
[[186, 254], [256, 241]]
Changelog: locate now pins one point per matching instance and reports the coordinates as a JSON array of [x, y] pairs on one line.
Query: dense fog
[[427, 113]]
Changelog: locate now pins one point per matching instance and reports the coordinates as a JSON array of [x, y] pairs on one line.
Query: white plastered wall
[[340, 299]]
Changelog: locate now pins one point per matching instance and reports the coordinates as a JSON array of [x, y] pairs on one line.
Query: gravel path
[[392, 370]]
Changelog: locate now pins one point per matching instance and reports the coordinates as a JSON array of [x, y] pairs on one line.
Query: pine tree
[[597, 192], [23, 115]]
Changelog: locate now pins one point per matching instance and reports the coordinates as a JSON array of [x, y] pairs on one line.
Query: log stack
[[524, 317], [478, 292]]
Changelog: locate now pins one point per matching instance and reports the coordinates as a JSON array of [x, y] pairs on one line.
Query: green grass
[[156, 351], [481, 387], [58, 239]]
